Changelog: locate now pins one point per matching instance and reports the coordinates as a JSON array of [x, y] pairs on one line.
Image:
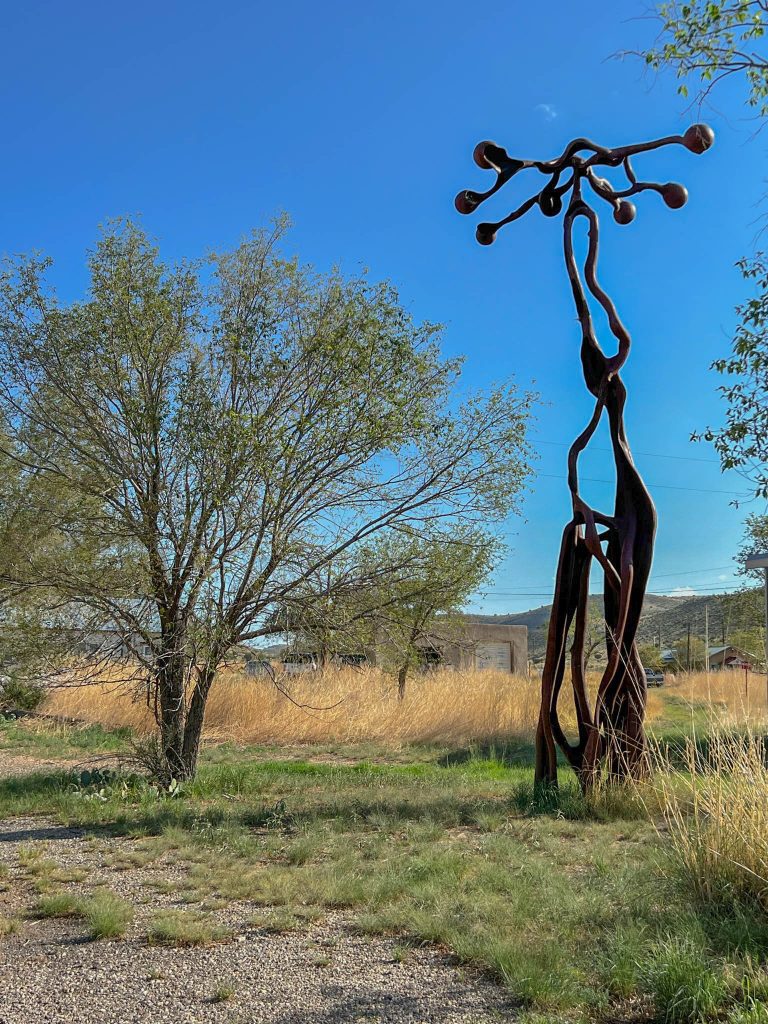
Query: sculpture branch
[[611, 735]]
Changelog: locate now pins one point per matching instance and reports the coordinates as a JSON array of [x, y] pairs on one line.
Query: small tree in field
[[409, 589], [424, 605], [742, 443], [650, 656], [198, 442]]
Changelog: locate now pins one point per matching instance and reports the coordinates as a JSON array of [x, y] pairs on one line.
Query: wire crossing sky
[[359, 120]]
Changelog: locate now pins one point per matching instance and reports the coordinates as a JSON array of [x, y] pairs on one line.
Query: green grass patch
[[107, 915], [57, 904], [569, 901], [685, 985], [185, 928], [32, 736]]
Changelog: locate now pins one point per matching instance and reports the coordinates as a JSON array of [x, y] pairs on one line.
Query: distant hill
[[663, 616]]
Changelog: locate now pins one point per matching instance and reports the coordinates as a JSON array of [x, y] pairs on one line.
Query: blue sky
[[359, 120]]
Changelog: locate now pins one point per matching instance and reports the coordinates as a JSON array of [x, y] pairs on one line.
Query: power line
[[665, 487], [688, 572], [700, 592], [654, 576], [650, 455]]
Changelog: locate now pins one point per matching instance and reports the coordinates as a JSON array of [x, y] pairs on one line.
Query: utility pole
[[760, 561], [706, 640], [688, 658]]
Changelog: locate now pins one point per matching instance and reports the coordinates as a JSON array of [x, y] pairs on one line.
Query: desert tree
[[650, 656], [207, 437]]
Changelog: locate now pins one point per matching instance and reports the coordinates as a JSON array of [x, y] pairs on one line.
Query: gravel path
[[50, 972]]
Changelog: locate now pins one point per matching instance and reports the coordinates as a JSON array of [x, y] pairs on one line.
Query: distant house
[[482, 646], [726, 657], [732, 657]]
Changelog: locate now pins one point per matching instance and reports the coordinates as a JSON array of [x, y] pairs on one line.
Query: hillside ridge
[[665, 619]]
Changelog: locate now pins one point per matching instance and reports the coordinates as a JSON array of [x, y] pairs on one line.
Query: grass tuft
[[223, 994], [107, 915], [9, 925], [685, 986], [184, 928], [716, 818], [57, 904]]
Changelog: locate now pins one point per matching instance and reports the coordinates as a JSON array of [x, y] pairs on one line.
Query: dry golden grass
[[345, 705], [716, 815], [732, 697], [360, 705]]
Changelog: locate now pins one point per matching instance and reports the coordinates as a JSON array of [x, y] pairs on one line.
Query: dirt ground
[[51, 971]]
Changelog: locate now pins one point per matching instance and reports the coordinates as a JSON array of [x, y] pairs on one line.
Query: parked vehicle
[[258, 667], [299, 663], [654, 677]]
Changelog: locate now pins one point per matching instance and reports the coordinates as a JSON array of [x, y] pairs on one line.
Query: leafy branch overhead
[[712, 41], [742, 443]]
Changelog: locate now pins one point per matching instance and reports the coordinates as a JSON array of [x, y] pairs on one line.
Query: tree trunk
[[193, 728], [324, 658], [401, 677], [170, 684]]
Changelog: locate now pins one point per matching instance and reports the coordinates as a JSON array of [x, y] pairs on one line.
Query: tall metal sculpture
[[611, 736]]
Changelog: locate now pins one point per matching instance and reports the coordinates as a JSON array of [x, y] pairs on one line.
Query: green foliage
[[742, 443], [650, 656], [711, 40], [755, 540], [20, 695], [411, 585], [421, 604]]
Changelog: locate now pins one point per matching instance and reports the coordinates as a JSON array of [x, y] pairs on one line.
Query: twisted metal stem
[[611, 736]]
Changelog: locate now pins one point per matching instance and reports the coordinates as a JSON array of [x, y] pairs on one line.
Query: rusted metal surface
[[611, 736]]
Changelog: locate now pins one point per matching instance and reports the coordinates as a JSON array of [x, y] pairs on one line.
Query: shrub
[[21, 695]]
